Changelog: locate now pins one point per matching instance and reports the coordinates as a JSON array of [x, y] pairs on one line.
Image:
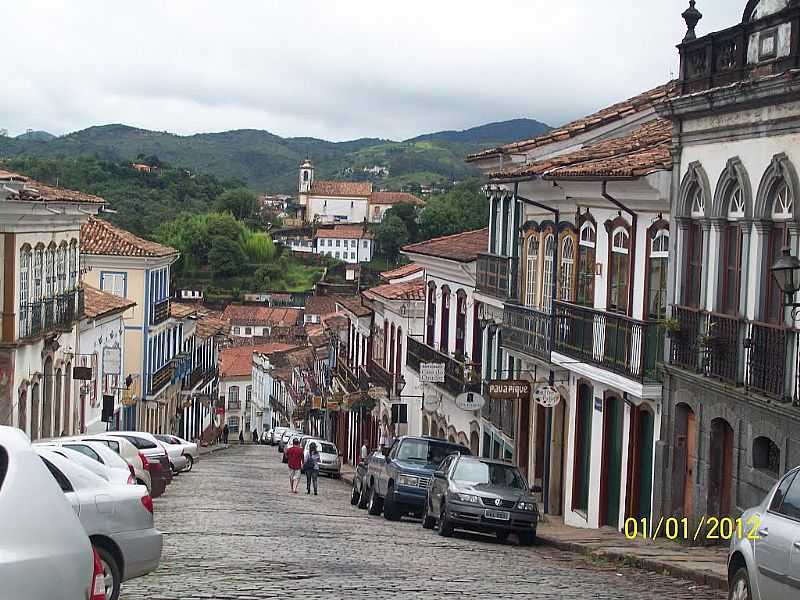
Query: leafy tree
[[409, 214], [226, 257], [463, 208], [392, 235], [240, 202]]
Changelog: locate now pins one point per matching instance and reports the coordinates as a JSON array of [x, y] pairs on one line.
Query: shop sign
[[316, 402], [547, 396], [470, 401], [509, 390], [431, 372]]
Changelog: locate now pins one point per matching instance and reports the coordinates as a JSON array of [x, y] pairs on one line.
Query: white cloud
[[337, 69]]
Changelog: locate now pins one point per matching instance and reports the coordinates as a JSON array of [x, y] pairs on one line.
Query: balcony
[[614, 342], [457, 374], [52, 315], [161, 378], [528, 331], [234, 405], [495, 276], [500, 413], [720, 58], [160, 312], [346, 376], [383, 378], [195, 377]]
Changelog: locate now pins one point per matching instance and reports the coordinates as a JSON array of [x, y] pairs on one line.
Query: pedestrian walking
[[311, 467], [294, 458], [241, 437], [225, 432], [255, 436]]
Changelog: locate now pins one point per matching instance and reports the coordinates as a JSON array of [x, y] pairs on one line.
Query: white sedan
[[177, 446], [118, 520], [96, 457]]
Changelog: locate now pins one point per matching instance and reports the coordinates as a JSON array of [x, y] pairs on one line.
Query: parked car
[[764, 561], [296, 436], [113, 474], [359, 495], [275, 435], [284, 439], [330, 463], [130, 454], [398, 482], [46, 552], [117, 519], [482, 495], [178, 462], [151, 448], [189, 449]]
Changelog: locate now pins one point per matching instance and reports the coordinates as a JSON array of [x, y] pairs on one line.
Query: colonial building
[[730, 424], [380, 202], [349, 243], [42, 303], [246, 321]]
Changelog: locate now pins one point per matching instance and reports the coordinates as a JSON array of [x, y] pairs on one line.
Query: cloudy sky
[[335, 69]]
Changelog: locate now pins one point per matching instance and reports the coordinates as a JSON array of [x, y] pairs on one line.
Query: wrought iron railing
[[721, 347], [495, 276], [685, 349], [51, 315], [383, 378], [161, 378], [346, 376], [614, 342], [457, 375], [160, 312], [767, 349], [527, 330]]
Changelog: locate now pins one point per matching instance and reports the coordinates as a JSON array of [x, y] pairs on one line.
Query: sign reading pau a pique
[[510, 390]]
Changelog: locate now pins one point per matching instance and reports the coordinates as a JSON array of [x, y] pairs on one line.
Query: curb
[[703, 578]]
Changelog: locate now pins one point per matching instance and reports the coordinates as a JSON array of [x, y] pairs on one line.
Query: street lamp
[[786, 272]]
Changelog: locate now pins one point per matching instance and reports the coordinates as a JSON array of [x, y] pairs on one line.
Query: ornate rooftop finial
[[692, 16]]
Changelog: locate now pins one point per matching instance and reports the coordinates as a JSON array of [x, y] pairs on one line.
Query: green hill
[[267, 162]]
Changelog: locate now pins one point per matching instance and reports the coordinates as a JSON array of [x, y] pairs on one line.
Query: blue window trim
[[124, 280]]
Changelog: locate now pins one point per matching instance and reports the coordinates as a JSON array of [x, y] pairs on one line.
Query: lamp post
[[786, 272]]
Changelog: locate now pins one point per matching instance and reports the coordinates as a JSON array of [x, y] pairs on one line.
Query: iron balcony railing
[[161, 378], [496, 276], [234, 404], [458, 375], [614, 342], [347, 377], [160, 312], [527, 330], [500, 413], [381, 377], [51, 315]]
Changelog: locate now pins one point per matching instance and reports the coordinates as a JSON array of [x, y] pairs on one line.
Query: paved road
[[232, 531]]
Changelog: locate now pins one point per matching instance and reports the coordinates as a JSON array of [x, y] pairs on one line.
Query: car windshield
[[327, 449], [426, 451], [473, 472]]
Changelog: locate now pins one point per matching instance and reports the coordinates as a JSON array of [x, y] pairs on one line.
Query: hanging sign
[[547, 396], [82, 373], [431, 403], [316, 402], [509, 390], [431, 372], [377, 392], [470, 401], [112, 361]]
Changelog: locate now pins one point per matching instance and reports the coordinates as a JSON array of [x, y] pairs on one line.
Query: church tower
[[306, 176]]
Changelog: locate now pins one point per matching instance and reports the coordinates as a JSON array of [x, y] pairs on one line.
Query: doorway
[[686, 456], [583, 443], [640, 463], [720, 468], [611, 477], [523, 437]]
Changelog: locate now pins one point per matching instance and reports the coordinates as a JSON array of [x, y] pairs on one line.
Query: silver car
[[127, 452], [176, 445], [764, 559], [96, 457], [330, 463], [46, 552], [118, 520]]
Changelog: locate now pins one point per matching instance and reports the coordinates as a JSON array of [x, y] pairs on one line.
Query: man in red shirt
[[294, 457]]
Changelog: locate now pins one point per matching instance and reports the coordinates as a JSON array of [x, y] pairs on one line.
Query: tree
[[392, 235], [409, 214], [226, 257], [464, 208], [240, 202]]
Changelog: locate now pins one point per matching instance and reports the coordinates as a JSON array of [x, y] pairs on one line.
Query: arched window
[[532, 271], [61, 267], [391, 350], [782, 202], [619, 271], [398, 361], [444, 338], [24, 289], [22, 411], [547, 271], [731, 251], [766, 456], [233, 397], [586, 263], [50, 272], [461, 320], [659, 263], [431, 318], [698, 208], [567, 271], [38, 258], [73, 264]]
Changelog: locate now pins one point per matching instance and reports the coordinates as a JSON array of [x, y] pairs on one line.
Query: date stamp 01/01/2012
[[708, 528]]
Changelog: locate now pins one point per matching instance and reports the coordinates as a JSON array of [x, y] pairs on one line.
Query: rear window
[[60, 478], [113, 444], [83, 449], [328, 449], [3, 465], [140, 443]]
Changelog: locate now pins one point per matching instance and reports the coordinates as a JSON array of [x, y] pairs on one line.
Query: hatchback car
[[113, 475], [46, 552], [130, 454], [764, 561], [176, 445], [482, 495], [118, 520], [153, 450], [330, 463]]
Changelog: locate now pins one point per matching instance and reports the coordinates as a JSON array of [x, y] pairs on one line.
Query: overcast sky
[[334, 69]]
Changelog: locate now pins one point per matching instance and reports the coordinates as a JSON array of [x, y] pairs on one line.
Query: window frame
[[617, 227]]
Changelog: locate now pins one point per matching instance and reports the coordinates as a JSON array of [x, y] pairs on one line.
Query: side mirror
[[438, 474]]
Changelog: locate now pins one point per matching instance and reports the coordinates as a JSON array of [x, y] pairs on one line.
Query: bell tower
[[306, 176]]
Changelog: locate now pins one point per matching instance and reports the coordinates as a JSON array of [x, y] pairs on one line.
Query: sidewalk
[[703, 565], [211, 449]]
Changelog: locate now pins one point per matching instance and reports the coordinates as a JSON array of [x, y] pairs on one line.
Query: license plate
[[499, 515]]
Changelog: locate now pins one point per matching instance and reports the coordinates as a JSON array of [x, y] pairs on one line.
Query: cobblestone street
[[232, 531]]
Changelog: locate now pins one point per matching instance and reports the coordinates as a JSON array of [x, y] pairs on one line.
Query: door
[[775, 551], [720, 468], [523, 443], [644, 468], [691, 462], [611, 479], [583, 443]]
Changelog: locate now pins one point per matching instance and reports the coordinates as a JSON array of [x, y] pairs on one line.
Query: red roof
[[615, 112], [410, 290], [350, 232], [461, 247], [101, 238], [400, 272], [394, 198], [99, 304], [238, 314], [320, 305], [341, 188], [35, 191], [238, 361]]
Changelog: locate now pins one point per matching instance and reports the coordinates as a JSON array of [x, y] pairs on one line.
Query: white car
[[130, 454], [330, 463], [189, 450], [45, 550], [96, 457], [153, 451], [118, 520]]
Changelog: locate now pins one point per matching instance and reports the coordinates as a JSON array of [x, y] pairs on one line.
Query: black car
[[480, 494]]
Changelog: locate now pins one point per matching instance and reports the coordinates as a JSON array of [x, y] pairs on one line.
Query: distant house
[[259, 321], [143, 168], [349, 243], [380, 202]]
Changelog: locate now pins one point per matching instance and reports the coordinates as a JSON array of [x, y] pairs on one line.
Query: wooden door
[[523, 443], [611, 478], [720, 468], [691, 462]]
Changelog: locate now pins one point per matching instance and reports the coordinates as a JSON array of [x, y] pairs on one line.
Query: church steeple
[[306, 176]]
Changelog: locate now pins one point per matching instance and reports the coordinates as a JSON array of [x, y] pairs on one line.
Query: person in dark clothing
[[225, 432], [311, 468], [241, 437], [255, 436]]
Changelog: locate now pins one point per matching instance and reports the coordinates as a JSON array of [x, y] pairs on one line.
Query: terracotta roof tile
[[181, 311], [411, 290], [99, 304], [238, 361], [354, 305], [461, 247], [239, 314], [615, 112], [350, 232], [641, 152], [320, 305], [99, 237], [208, 326], [400, 272], [341, 188], [394, 198], [35, 191]]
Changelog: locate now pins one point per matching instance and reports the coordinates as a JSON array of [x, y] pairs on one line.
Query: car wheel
[[527, 538], [375, 503], [740, 586], [391, 512], [355, 495], [363, 498], [428, 522], [501, 536], [112, 578], [444, 526], [189, 464]]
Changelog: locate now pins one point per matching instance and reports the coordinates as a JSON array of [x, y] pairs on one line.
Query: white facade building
[[349, 243]]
